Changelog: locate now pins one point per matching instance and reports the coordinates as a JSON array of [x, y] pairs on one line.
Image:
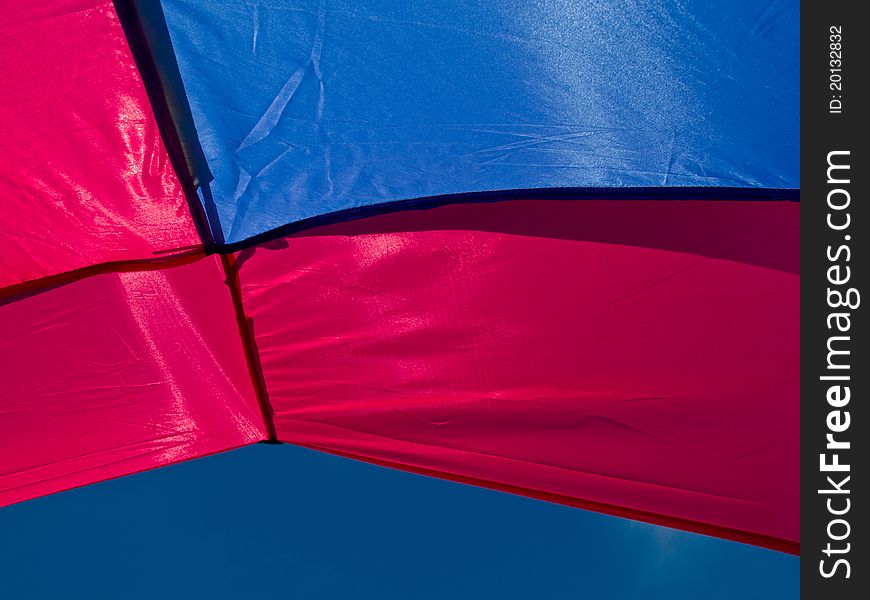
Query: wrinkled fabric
[[84, 176], [119, 373], [648, 370], [308, 107], [635, 357]]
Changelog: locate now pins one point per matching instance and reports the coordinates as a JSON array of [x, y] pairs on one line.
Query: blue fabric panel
[[305, 108]]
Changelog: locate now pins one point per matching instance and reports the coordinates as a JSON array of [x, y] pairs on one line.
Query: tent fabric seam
[[249, 346], [710, 194]]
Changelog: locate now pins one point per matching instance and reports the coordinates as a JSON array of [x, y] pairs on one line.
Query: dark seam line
[[207, 220], [19, 291], [249, 345], [711, 194], [746, 537], [150, 75], [34, 287]]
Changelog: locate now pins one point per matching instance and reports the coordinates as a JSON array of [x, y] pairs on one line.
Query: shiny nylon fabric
[[118, 373], [648, 371], [308, 107], [84, 176], [588, 352]]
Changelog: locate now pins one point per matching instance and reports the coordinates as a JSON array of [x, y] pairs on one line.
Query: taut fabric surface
[[307, 107], [650, 372], [84, 176], [119, 373]]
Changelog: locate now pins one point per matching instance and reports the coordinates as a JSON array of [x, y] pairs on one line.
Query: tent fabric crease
[[471, 241]]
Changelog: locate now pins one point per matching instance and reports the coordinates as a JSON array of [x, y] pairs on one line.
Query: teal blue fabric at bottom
[[284, 522]]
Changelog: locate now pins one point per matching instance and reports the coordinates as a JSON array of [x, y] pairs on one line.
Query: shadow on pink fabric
[[84, 176], [119, 373], [639, 358]]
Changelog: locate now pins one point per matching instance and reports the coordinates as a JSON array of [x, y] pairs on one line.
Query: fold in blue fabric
[[305, 108]]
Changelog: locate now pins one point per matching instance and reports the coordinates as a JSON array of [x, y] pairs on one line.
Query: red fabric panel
[[637, 358], [119, 373], [84, 176]]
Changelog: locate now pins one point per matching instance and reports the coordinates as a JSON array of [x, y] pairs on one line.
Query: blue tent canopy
[[305, 108]]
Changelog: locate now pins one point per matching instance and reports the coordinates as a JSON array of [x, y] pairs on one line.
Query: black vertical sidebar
[[835, 370]]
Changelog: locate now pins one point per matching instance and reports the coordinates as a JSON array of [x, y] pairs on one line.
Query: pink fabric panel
[[84, 176], [638, 358], [119, 373]]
